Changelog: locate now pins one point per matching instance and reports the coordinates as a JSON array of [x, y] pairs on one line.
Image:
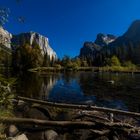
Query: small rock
[[111, 81], [89, 102], [50, 135], [22, 106], [115, 138], [111, 117], [20, 102], [12, 131], [20, 137]]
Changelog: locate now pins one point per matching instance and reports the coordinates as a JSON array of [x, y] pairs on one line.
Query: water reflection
[[123, 94], [84, 88], [47, 85], [36, 86]]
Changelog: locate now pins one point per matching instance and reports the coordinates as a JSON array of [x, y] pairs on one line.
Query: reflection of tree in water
[[69, 76], [124, 89], [35, 86], [29, 85], [91, 84]]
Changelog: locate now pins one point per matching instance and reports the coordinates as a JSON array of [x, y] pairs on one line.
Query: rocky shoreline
[[42, 112]]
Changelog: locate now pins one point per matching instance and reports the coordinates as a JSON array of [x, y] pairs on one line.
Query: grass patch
[[119, 69]]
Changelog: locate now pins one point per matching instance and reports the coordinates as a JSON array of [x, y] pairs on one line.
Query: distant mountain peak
[[104, 39], [133, 32], [136, 22], [125, 47]]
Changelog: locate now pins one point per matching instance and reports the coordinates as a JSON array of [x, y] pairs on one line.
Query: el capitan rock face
[[42, 42], [125, 47], [6, 39], [38, 53]]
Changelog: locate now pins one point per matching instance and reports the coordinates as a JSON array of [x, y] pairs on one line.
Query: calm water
[[84, 88]]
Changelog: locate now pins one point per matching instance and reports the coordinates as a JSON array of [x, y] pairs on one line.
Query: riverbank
[[65, 121], [119, 69], [61, 69]]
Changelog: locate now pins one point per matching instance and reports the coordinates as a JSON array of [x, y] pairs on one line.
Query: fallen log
[[74, 124], [123, 127], [83, 107], [29, 121]]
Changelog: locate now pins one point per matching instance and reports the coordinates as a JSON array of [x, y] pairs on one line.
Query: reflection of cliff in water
[[35, 86], [47, 85], [123, 92]]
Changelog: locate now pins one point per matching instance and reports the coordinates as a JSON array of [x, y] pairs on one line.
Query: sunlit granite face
[[42, 41], [5, 38]]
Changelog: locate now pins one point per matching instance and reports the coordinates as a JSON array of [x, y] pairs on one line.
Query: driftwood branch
[[68, 124], [74, 124], [83, 107], [100, 132], [92, 116], [106, 126]]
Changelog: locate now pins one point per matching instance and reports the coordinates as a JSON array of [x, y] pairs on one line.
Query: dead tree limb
[[74, 124], [124, 127], [83, 107], [100, 132], [90, 116], [29, 121]]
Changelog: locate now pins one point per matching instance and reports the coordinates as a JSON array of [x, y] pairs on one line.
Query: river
[[114, 90]]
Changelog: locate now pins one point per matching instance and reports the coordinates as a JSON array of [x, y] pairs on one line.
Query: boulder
[[12, 131], [50, 135], [19, 137]]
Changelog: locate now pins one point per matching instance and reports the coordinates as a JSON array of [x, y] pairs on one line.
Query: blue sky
[[69, 23]]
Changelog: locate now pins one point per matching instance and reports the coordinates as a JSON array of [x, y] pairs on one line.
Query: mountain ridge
[[125, 47]]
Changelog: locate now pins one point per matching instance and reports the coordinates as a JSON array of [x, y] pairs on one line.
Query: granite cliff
[[15, 44], [125, 47], [30, 37], [5, 38]]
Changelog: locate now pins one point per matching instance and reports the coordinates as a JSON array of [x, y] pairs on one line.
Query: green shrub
[[115, 61], [129, 64], [57, 66], [6, 93]]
